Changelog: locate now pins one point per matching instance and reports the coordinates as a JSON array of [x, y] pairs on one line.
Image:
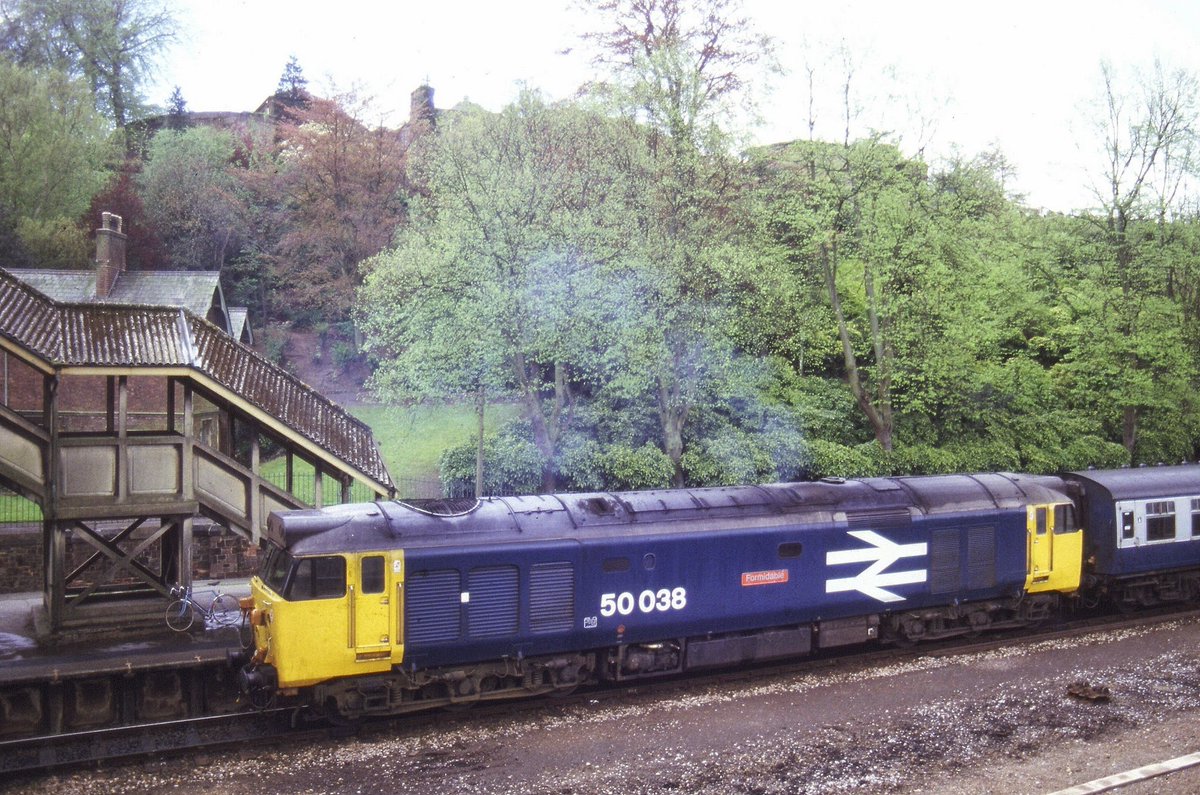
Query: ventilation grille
[[866, 520], [981, 557], [492, 610], [551, 597], [433, 606], [944, 566]]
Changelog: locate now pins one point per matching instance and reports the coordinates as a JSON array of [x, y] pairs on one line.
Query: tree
[[679, 69], [341, 185], [143, 248], [293, 86], [507, 280], [191, 197], [111, 44], [1148, 136], [177, 112], [681, 65], [54, 147]]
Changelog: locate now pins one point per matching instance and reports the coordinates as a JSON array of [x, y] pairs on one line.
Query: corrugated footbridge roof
[[120, 336]]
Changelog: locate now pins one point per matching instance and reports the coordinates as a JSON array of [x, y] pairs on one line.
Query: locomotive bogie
[[404, 691]]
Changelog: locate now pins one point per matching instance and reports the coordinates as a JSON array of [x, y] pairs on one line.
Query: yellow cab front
[[323, 617]]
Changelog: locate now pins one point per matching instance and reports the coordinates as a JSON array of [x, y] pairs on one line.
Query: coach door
[[1055, 548], [372, 606]]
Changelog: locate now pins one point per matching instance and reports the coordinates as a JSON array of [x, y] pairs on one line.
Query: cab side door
[[372, 606]]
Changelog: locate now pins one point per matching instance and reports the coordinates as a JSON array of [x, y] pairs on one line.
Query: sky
[[944, 78]]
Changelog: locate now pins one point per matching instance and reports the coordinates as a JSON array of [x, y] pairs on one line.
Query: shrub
[[829, 459], [644, 467], [511, 465]]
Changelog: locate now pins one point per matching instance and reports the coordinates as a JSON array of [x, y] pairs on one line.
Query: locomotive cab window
[[1195, 517], [1064, 519], [318, 578], [275, 569], [372, 574]]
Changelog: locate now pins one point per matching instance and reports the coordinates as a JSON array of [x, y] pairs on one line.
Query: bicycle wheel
[[180, 615], [225, 610]]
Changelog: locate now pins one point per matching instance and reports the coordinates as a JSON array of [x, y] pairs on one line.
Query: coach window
[[1195, 517], [1160, 520], [1127, 525], [372, 574], [318, 578]]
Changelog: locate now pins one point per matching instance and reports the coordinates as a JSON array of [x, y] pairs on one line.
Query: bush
[[921, 459], [627, 468], [274, 341], [985, 456], [344, 354], [511, 465], [580, 467], [829, 459], [1092, 451]]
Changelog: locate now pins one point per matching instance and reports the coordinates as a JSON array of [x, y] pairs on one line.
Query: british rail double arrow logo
[[874, 580]]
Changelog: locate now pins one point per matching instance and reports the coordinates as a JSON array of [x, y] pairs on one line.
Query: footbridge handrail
[[99, 335]]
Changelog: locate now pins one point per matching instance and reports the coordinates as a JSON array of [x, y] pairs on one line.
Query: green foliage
[[832, 460], [512, 464], [626, 468], [344, 353], [56, 243], [1091, 451], [190, 196], [273, 340], [54, 147], [111, 47]]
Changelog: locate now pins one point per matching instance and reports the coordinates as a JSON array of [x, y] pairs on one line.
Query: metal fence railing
[[15, 509]]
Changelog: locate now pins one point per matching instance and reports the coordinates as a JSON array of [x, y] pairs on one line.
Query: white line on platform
[[1132, 776]]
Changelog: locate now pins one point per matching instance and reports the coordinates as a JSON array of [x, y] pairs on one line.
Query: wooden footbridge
[[125, 424]]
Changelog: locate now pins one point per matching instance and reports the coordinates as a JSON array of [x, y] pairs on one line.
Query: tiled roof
[[191, 290], [239, 326], [108, 335]]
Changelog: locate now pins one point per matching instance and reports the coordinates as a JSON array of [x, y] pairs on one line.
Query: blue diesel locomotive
[[390, 607]]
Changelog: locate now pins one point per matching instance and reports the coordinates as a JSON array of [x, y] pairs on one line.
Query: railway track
[[285, 725]]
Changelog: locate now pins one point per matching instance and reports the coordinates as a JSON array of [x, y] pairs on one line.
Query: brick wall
[[20, 561], [217, 554]]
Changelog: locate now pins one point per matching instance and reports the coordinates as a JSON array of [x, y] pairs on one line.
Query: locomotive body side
[[385, 607]]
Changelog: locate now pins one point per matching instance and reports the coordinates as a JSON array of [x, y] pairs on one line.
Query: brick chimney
[[110, 254]]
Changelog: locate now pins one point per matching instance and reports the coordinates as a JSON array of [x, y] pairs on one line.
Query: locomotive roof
[[386, 525], [1142, 482]]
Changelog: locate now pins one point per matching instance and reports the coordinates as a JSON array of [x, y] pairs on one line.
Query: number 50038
[[648, 601]]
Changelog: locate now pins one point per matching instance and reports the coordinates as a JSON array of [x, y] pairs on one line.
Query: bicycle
[[223, 610]]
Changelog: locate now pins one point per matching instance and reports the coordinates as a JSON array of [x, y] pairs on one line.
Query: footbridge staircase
[[128, 424]]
